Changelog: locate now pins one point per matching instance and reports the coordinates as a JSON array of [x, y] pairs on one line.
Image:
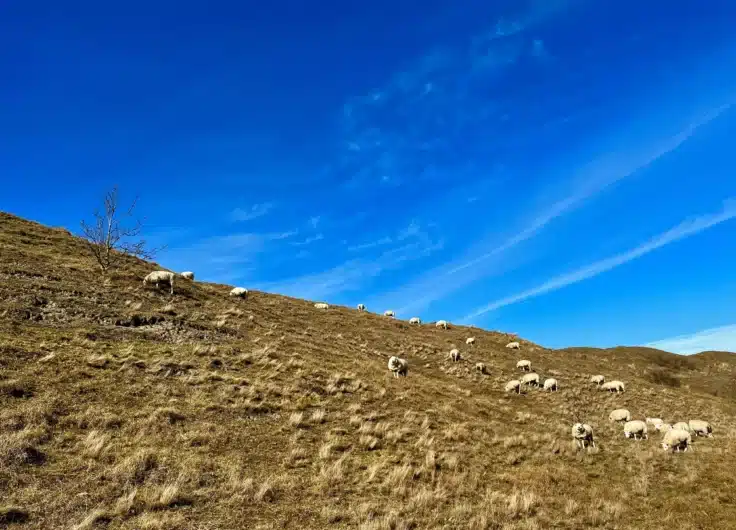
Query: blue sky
[[562, 169]]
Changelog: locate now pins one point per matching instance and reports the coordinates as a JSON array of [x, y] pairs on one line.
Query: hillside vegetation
[[123, 407]]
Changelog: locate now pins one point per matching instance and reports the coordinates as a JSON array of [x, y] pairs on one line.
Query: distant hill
[[123, 407]]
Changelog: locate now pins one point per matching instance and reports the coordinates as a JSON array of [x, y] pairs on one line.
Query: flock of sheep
[[677, 437], [156, 278]]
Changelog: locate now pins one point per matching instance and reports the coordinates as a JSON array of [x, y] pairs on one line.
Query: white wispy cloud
[[414, 229], [685, 229], [489, 257], [314, 221], [371, 244], [350, 275], [413, 125], [309, 240], [229, 256], [719, 339], [248, 214], [409, 244]]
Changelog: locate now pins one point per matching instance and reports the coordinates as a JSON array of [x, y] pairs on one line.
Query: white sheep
[[619, 415], [157, 277], [612, 386], [189, 275], [513, 345], [530, 379], [398, 366], [321, 305], [470, 341], [681, 425], [677, 440], [441, 324], [598, 379], [654, 421], [361, 307], [513, 385], [663, 427], [480, 367], [634, 428], [582, 433], [550, 384], [455, 354], [240, 292], [700, 428], [389, 313], [415, 320], [524, 365]]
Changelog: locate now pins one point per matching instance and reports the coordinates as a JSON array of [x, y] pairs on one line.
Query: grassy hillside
[[124, 407]]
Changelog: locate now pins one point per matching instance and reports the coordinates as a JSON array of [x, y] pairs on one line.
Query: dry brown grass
[[126, 408]]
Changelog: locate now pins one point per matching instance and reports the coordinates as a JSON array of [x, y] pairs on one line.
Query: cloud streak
[[410, 244], [683, 230], [589, 181], [720, 339], [229, 257], [254, 212]]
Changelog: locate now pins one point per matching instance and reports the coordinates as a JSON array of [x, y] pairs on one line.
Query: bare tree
[[109, 237]]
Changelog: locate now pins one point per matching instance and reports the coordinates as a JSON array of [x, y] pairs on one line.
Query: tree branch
[[109, 239]]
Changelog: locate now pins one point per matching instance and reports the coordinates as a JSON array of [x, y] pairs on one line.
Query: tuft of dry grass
[[95, 444]]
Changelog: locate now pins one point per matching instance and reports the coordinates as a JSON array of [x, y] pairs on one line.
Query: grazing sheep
[[441, 324], [612, 386], [619, 415], [240, 292], [677, 440], [550, 384], [481, 367], [470, 341], [663, 427], [189, 275], [582, 433], [157, 277], [361, 307], [415, 320], [513, 385], [654, 421], [454, 355], [321, 305], [700, 428], [681, 425], [389, 313], [513, 345], [530, 379], [634, 428], [598, 379], [524, 365], [398, 366]]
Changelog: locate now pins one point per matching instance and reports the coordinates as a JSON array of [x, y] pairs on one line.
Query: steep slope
[[125, 407]]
